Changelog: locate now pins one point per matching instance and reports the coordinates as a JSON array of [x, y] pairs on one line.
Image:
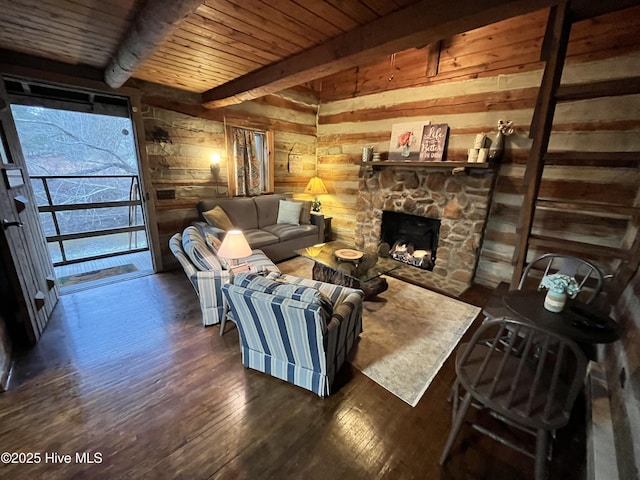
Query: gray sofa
[[257, 216]]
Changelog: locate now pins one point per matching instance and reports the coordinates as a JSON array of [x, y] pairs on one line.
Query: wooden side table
[[327, 229], [578, 321]]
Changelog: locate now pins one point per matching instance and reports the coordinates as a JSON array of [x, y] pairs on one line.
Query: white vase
[[554, 302]]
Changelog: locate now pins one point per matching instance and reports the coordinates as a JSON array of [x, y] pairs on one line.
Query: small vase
[[554, 302], [406, 151]]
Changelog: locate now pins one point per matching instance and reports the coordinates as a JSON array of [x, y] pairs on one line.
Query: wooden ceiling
[[235, 50]]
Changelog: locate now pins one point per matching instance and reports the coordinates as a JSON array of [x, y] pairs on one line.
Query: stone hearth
[[460, 202]]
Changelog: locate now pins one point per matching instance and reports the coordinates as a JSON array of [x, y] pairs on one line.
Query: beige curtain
[[246, 159]]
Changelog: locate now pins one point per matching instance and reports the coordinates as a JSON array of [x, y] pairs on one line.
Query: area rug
[[77, 278], [409, 332]]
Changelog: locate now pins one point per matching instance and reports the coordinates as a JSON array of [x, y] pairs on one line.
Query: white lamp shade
[[234, 246]]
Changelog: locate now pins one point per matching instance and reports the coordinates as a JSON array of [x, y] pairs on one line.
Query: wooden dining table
[[579, 321]]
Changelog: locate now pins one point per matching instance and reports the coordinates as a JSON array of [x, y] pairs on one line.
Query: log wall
[[623, 373], [180, 137], [485, 75], [482, 76]]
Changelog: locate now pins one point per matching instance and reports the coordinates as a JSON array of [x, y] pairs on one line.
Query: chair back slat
[[553, 387], [541, 356], [515, 385], [585, 272], [487, 358], [532, 379], [497, 376], [568, 265]]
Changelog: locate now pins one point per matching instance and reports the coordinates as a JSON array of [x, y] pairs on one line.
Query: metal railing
[[132, 228]]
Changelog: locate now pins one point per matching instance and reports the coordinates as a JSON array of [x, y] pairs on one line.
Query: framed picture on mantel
[[405, 141], [434, 142]]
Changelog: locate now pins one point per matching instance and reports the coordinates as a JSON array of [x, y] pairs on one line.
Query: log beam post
[[155, 22], [421, 23]]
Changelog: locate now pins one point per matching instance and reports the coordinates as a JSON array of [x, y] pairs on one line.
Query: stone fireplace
[[459, 202]]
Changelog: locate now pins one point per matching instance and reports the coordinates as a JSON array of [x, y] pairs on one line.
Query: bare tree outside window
[[82, 158]]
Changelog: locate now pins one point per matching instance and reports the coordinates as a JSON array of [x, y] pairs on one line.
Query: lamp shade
[[234, 246], [316, 187]]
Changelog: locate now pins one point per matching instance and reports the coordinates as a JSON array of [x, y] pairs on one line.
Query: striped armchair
[[295, 329], [206, 273]]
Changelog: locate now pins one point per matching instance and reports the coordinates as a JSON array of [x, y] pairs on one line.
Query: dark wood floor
[[128, 372]]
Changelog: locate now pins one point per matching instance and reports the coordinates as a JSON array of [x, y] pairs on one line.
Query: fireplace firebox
[[412, 239]]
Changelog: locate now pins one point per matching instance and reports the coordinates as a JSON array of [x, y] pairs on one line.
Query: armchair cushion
[[280, 288], [287, 231]]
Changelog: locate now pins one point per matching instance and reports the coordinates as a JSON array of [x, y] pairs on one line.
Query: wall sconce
[[215, 168], [215, 164]]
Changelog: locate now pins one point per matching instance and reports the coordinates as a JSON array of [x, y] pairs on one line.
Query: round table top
[[578, 321]]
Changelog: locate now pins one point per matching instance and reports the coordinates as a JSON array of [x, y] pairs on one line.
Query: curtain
[[247, 155]]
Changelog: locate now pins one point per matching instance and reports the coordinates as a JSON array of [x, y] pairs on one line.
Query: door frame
[[62, 75]]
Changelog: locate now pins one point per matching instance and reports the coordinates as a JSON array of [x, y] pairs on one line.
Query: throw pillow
[[305, 213], [217, 217], [289, 212]]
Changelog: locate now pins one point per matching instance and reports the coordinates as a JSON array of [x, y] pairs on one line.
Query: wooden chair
[[589, 277], [533, 390]]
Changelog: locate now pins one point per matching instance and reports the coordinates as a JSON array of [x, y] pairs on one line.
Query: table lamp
[[234, 246], [316, 187]]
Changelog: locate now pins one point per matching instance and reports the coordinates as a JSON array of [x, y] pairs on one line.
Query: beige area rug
[[409, 332]]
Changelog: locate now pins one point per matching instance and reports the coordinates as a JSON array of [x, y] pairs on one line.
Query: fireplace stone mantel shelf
[[444, 164]]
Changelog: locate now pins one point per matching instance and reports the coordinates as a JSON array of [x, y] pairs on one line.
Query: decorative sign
[[295, 165], [405, 141], [434, 142]]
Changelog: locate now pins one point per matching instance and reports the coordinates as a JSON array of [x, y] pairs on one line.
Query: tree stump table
[[371, 288]]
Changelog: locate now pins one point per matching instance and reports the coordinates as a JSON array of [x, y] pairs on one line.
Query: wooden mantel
[[445, 164]]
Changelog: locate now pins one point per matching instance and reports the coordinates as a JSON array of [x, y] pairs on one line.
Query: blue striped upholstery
[[196, 248], [289, 339], [281, 288], [208, 284], [260, 263]]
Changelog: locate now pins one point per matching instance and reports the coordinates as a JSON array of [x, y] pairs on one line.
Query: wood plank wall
[[623, 372], [485, 75], [179, 146]]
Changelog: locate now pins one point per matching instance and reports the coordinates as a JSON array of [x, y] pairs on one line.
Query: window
[[250, 157]]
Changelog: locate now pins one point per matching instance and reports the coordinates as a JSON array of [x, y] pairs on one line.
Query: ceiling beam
[[155, 22], [415, 26], [584, 9]]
